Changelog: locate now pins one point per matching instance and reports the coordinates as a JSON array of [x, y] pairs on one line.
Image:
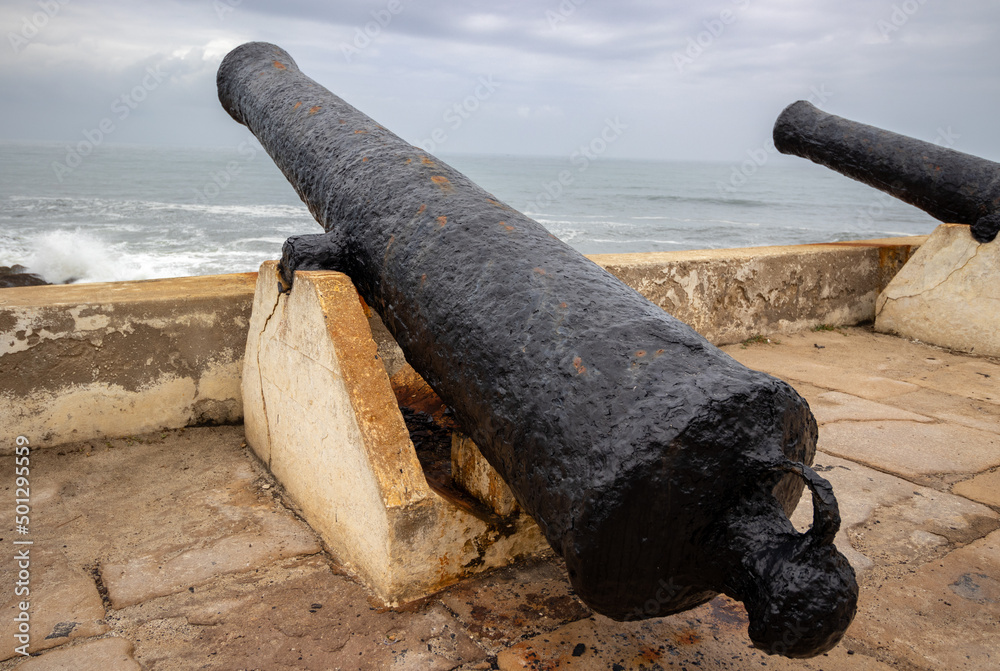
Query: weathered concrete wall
[[90, 360], [94, 360], [729, 295], [948, 295]]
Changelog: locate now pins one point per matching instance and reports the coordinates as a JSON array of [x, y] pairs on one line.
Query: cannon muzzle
[[951, 186], [661, 469]]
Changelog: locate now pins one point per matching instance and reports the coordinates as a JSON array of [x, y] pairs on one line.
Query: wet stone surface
[[926, 554]]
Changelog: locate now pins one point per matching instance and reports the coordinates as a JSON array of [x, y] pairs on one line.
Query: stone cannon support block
[[85, 361], [474, 474], [320, 412], [729, 295], [948, 294]]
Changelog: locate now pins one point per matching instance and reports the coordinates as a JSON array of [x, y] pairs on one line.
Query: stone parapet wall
[[90, 361], [729, 295]]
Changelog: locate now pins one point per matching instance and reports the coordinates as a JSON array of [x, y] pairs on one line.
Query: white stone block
[[474, 474], [320, 412], [948, 294]]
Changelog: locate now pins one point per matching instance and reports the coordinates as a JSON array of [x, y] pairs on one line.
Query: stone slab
[[820, 370], [510, 604], [64, 602], [265, 538], [984, 488], [948, 294], [919, 528], [915, 450], [469, 470], [861, 357], [157, 514], [85, 361], [298, 614], [946, 615], [712, 636], [889, 520], [977, 379], [321, 413], [953, 408], [105, 654], [836, 406]]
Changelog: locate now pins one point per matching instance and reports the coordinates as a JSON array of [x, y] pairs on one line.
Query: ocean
[[124, 212]]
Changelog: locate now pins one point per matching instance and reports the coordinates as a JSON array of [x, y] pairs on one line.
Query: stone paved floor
[[175, 551]]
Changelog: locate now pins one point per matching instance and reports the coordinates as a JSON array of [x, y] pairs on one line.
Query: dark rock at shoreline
[[17, 276]]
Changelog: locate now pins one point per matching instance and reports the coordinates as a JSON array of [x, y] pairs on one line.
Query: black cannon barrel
[[949, 185], [660, 468]]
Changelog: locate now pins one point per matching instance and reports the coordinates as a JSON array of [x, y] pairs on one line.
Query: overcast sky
[[682, 80]]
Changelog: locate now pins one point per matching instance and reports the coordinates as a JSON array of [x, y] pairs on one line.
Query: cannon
[[949, 185], [662, 470]]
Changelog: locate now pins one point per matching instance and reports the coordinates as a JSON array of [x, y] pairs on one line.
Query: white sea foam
[[76, 256], [609, 241]]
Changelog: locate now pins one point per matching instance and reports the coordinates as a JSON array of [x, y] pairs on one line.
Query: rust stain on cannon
[[661, 485], [951, 186], [443, 183]]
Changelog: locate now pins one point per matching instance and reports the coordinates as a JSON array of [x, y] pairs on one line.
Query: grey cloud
[[904, 64]]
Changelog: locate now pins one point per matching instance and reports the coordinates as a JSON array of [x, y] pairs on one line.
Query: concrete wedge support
[[319, 410], [948, 294]]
